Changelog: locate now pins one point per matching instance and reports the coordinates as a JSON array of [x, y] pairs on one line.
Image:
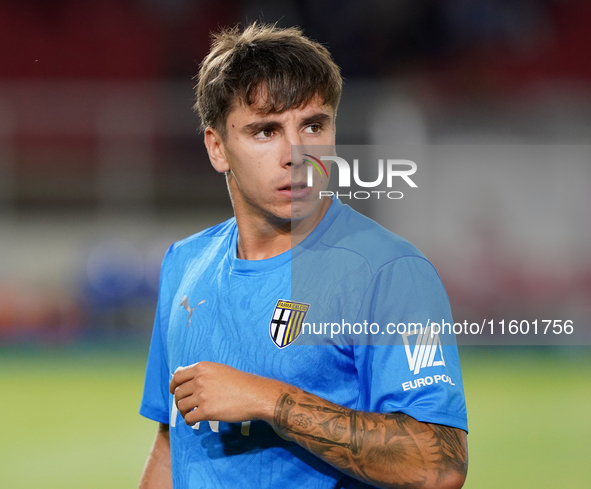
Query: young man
[[238, 401]]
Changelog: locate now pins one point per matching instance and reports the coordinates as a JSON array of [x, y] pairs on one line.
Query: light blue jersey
[[263, 317]]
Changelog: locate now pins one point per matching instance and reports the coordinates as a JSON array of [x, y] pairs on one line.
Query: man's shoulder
[[364, 237], [207, 239], [202, 238]]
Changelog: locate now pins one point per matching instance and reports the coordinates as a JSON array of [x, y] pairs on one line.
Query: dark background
[[102, 165]]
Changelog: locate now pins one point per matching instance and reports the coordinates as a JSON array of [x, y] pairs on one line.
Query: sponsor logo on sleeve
[[422, 349], [436, 379]]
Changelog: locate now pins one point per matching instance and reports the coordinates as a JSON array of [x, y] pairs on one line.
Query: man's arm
[[157, 473], [386, 450]]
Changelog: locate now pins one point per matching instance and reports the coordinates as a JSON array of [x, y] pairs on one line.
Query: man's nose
[[292, 150]]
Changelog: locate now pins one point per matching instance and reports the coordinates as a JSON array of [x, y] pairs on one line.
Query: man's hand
[[208, 391]]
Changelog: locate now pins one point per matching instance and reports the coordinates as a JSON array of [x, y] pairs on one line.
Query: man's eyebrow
[[269, 124], [258, 126], [318, 118]]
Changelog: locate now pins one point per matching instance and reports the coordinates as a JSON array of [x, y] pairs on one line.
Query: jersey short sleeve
[[410, 367], [155, 398]]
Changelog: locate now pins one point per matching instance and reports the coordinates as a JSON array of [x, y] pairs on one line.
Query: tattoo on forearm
[[390, 450], [322, 424]]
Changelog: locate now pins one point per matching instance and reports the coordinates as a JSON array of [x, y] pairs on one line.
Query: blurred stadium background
[[102, 168]]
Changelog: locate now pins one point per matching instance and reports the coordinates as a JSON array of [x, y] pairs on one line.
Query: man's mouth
[[294, 186], [295, 190]]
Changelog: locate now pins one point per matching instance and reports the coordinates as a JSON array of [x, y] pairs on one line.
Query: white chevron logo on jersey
[[424, 350]]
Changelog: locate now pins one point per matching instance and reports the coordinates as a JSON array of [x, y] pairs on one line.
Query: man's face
[[263, 178]]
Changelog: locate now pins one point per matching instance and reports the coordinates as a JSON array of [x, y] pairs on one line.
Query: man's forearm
[[157, 472], [386, 450]]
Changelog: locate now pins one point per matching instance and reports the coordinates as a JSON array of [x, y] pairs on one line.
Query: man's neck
[[259, 238]]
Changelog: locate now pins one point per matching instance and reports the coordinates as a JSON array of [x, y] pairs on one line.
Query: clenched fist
[[208, 391]]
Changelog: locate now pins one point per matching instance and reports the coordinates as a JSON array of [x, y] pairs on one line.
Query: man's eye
[[265, 133], [314, 128]]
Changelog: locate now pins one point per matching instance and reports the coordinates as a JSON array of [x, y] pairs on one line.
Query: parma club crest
[[286, 323]]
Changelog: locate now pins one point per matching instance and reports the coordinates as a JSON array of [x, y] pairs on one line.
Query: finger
[[186, 406], [170, 386], [181, 375], [193, 417], [183, 391]]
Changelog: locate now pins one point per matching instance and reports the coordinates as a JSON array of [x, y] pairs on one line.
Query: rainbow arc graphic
[[315, 162]]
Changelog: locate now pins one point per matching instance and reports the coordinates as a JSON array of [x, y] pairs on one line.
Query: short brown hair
[[281, 64]]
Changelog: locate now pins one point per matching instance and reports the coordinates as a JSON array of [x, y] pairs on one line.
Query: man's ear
[[216, 150]]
